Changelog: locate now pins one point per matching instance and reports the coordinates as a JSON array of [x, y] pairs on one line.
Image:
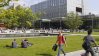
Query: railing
[[27, 33], [19, 35]]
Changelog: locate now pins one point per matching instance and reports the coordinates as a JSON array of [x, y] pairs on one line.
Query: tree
[[5, 2], [18, 17], [73, 21], [9, 18], [26, 16]]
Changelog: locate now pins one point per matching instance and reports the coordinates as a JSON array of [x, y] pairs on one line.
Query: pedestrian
[[87, 44], [61, 40]]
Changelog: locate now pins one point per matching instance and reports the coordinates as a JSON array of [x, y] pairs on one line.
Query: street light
[[60, 23], [92, 17], [40, 23]]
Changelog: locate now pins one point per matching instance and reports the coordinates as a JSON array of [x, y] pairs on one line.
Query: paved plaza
[[80, 52], [75, 53]]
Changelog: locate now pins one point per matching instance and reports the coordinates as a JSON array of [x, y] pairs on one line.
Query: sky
[[30, 2], [89, 5]]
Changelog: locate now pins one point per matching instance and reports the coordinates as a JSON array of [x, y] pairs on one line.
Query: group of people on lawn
[[87, 43], [24, 43]]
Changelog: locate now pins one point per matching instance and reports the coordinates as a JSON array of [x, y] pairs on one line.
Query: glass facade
[[56, 10], [51, 8]]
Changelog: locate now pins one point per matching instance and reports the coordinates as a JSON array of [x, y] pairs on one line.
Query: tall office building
[[52, 9]]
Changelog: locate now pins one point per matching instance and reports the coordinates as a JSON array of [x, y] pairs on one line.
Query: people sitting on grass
[[24, 44], [28, 43], [14, 44]]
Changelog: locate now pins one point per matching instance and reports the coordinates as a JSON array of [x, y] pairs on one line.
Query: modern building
[[54, 9], [90, 20]]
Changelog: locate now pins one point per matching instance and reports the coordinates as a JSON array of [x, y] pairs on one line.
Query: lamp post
[[60, 23], [92, 19], [49, 25], [93, 16], [40, 23], [82, 2]]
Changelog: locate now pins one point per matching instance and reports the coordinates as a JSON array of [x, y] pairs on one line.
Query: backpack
[[86, 45], [54, 47]]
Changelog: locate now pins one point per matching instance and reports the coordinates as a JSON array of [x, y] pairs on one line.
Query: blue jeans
[[60, 49]]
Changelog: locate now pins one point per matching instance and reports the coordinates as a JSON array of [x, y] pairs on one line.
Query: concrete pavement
[[75, 53], [80, 52]]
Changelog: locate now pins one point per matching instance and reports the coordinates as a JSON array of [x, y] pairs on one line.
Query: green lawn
[[41, 46], [94, 33]]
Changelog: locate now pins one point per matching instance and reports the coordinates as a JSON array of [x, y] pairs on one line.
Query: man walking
[[88, 40], [61, 41]]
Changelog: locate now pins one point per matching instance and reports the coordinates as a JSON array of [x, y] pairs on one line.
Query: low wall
[[19, 35]]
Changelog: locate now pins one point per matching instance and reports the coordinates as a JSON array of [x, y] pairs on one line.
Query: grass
[[41, 46], [94, 33]]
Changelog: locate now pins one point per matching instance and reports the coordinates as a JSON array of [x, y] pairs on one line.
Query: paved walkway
[[75, 53], [80, 52]]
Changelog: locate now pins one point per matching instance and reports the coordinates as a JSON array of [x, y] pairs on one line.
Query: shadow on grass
[[43, 54], [7, 46], [10, 47]]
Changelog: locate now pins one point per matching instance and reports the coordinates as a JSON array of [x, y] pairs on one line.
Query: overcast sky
[[92, 6], [89, 5]]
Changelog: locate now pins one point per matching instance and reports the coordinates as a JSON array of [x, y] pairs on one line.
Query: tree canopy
[[73, 21], [18, 17], [5, 2]]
